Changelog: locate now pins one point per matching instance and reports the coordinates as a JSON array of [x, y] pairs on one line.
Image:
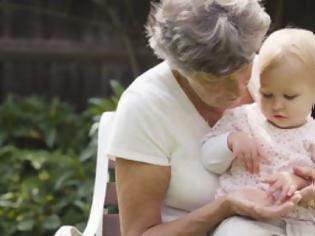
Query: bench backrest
[[111, 216], [104, 217]]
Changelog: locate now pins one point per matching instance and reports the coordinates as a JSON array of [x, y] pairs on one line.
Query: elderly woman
[[208, 47]]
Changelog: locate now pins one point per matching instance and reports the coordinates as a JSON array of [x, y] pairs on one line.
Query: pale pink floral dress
[[284, 147]]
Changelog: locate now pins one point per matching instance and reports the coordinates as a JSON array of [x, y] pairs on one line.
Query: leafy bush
[[35, 122], [41, 189], [96, 107], [47, 155]]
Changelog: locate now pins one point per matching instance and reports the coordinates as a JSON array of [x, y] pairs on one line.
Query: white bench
[[100, 222]]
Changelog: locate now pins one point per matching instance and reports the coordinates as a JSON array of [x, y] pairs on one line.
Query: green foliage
[[40, 190], [98, 105], [47, 155], [35, 122]]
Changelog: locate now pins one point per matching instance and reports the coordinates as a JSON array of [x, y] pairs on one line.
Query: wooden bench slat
[[111, 225], [111, 195], [110, 217], [111, 164]]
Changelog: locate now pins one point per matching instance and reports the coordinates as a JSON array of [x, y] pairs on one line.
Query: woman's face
[[222, 91]]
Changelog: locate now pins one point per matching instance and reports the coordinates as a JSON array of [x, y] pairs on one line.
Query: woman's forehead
[[222, 78]]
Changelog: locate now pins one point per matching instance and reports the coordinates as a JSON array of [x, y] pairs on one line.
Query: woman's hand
[[307, 196], [258, 205], [307, 193], [307, 173], [283, 185], [246, 151]]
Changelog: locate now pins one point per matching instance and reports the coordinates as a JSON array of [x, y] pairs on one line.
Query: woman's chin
[[232, 103]]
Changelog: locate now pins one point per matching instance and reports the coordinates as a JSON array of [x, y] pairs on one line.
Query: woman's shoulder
[[155, 89]]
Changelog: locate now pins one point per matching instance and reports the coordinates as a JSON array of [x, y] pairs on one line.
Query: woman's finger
[[269, 180], [276, 211], [307, 194]]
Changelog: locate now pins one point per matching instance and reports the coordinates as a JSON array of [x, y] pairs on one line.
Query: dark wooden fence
[[69, 49], [72, 48]]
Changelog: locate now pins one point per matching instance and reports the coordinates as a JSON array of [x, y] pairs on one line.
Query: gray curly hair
[[209, 36]]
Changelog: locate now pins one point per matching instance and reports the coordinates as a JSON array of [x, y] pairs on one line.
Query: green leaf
[[88, 153], [62, 180], [50, 137], [52, 222], [117, 87], [26, 225]]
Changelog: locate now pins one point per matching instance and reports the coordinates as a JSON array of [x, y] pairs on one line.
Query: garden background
[[62, 63]]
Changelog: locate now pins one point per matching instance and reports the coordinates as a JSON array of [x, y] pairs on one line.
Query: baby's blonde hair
[[285, 44]]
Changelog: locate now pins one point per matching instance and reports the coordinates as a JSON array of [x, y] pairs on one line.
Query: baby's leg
[[241, 226]]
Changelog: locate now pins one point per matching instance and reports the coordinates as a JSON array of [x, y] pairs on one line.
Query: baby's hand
[[283, 185], [246, 150]]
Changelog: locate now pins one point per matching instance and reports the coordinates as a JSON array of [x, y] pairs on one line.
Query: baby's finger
[[269, 180], [282, 196], [277, 186], [291, 191], [263, 156], [256, 168], [241, 160], [256, 161], [249, 162]]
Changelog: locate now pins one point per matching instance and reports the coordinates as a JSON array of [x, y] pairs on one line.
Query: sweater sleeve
[[215, 153]]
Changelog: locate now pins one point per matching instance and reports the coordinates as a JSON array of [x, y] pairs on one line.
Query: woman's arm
[[141, 190]]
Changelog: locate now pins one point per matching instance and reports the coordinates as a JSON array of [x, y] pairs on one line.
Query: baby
[[278, 126]]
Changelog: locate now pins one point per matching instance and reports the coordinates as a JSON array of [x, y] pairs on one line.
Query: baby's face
[[287, 94]]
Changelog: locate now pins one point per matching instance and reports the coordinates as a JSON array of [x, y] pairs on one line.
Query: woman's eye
[[290, 97]]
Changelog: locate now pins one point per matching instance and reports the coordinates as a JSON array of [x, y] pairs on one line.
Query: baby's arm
[[225, 141], [246, 151], [215, 154], [283, 184]]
